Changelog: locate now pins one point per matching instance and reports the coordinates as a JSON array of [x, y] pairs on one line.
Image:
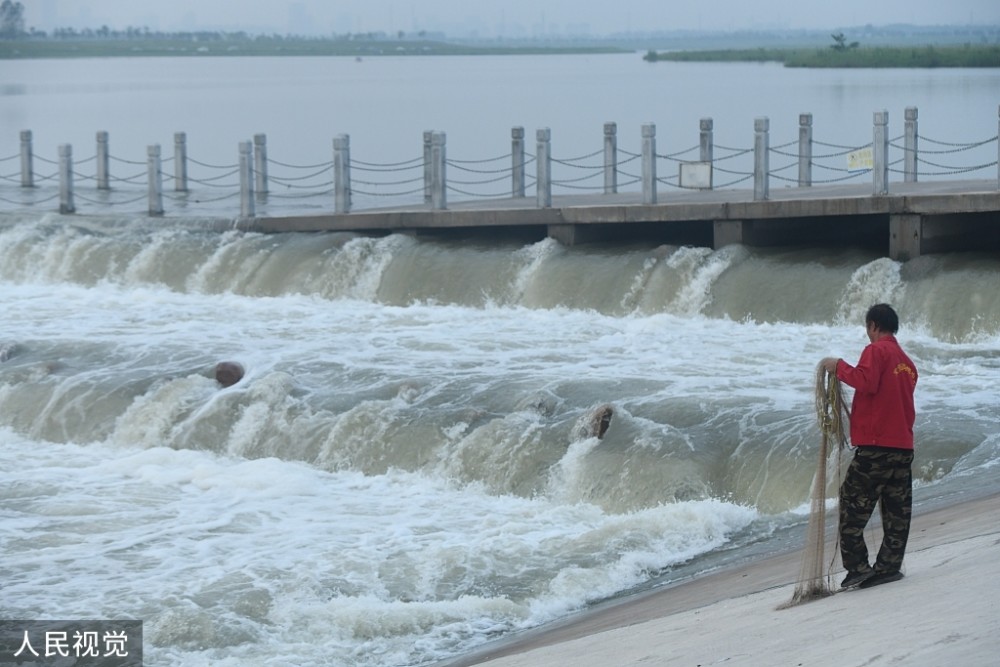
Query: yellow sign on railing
[[860, 160]]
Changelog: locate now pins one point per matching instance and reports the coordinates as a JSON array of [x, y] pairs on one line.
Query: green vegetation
[[95, 48], [104, 42], [898, 45], [851, 55], [17, 41]]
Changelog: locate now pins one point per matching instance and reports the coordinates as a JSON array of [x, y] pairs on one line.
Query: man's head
[[882, 318]]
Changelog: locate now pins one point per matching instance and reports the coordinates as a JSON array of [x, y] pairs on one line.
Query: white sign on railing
[[696, 175]]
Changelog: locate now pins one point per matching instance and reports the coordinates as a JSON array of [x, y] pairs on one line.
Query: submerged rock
[[228, 373], [7, 350], [595, 423], [600, 420]]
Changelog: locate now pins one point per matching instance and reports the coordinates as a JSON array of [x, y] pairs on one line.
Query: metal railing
[[430, 179]]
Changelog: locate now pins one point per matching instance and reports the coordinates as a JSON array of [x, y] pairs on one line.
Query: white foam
[[254, 557], [391, 485]]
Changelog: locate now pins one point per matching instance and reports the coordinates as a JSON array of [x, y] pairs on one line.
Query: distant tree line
[[11, 19], [12, 26], [144, 33], [840, 43]]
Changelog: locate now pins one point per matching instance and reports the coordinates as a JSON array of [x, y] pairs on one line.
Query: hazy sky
[[499, 17]]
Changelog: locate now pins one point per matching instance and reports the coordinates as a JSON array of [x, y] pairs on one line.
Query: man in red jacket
[[882, 417]]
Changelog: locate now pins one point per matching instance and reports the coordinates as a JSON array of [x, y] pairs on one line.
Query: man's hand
[[830, 364]]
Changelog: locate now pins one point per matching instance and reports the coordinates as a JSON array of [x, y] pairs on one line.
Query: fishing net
[[832, 415]]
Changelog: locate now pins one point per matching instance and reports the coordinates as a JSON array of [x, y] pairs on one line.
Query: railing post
[[648, 163], [439, 179], [880, 153], [342, 173], [66, 179], [246, 179], [543, 178], [428, 169], [154, 179], [103, 176], [27, 171], [706, 143], [761, 158], [610, 158], [180, 162], [805, 150], [517, 161], [260, 164], [910, 145], [706, 139]]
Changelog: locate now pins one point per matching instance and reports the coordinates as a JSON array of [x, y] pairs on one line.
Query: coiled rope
[[832, 415]]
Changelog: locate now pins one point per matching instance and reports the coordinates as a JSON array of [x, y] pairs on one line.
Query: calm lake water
[[408, 470]]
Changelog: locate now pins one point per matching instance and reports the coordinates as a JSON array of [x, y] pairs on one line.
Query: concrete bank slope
[[946, 611]]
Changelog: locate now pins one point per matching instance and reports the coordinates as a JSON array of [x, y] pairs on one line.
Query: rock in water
[[228, 373]]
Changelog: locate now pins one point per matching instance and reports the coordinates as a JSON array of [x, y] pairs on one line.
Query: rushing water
[[409, 468]]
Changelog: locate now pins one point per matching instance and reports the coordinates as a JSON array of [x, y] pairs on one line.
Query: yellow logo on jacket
[[904, 368]]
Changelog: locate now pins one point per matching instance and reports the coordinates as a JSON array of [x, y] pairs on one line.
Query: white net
[[832, 415]]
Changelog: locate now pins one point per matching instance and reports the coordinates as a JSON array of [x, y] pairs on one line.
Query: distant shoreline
[[152, 45], [158, 47], [872, 57]]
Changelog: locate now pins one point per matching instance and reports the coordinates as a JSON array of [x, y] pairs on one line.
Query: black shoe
[[855, 578], [881, 578]]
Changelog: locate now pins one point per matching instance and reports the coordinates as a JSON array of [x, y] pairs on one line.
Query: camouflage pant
[[876, 475]]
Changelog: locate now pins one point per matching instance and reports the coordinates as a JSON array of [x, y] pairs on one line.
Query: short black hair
[[883, 317]]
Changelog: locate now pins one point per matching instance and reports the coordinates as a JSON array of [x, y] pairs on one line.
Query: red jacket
[[882, 411]]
